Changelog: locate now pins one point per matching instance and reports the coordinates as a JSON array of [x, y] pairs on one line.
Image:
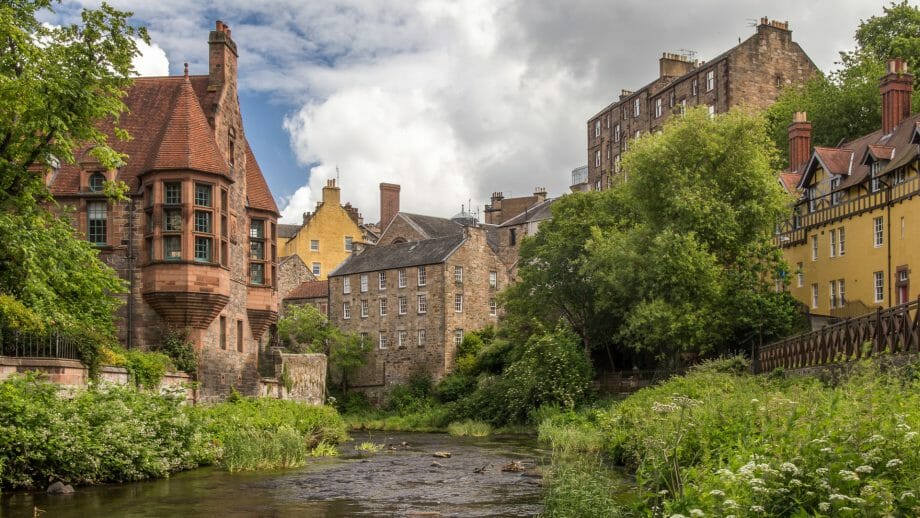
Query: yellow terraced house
[[854, 234]]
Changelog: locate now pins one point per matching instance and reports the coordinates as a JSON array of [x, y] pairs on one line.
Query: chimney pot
[[799, 141]]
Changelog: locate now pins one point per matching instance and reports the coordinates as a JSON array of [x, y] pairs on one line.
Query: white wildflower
[[848, 475], [756, 482], [794, 482], [826, 450], [697, 512], [821, 471], [678, 516], [909, 436], [757, 509], [907, 495], [856, 500], [663, 408], [717, 492], [755, 401], [893, 463], [730, 504], [838, 496], [846, 509], [789, 467], [824, 507], [663, 492], [875, 438], [863, 469]]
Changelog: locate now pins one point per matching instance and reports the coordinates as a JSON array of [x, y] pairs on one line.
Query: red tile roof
[[309, 290], [881, 152], [835, 161], [790, 181], [257, 192]]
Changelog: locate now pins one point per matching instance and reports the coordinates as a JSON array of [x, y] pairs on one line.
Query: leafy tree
[[57, 86], [846, 104]]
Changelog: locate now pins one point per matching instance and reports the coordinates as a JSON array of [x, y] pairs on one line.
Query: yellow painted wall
[[329, 225], [861, 257]]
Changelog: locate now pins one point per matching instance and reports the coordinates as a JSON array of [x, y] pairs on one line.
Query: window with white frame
[[597, 128], [363, 283], [874, 169], [800, 274], [841, 293], [814, 247], [493, 307], [814, 295], [422, 276], [710, 80], [422, 337], [493, 279], [402, 338], [403, 305], [317, 269], [597, 158], [383, 307], [349, 243], [314, 245], [658, 105], [382, 280], [422, 302], [401, 277], [841, 242], [616, 133], [458, 302], [364, 308], [879, 283], [458, 274], [812, 199], [878, 227], [616, 164], [346, 285], [458, 337], [900, 176], [96, 215], [832, 294], [836, 194], [833, 243], [636, 108], [346, 310], [382, 340], [694, 87]]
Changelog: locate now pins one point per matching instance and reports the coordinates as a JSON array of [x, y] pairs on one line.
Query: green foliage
[[580, 488], [176, 345], [469, 428], [413, 396], [369, 447], [454, 387], [146, 369]]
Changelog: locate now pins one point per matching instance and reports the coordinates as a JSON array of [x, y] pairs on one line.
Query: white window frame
[[616, 164], [597, 128], [349, 243], [833, 243], [800, 274], [458, 275], [458, 337], [875, 185], [363, 281], [879, 286], [832, 293], [597, 158], [636, 108], [314, 245], [382, 304], [402, 338], [422, 276], [493, 279], [381, 280], [841, 242], [458, 303], [382, 340], [401, 278], [836, 195], [841, 293], [421, 301], [365, 308], [878, 231], [616, 133], [346, 310], [422, 337], [346, 285], [814, 247], [493, 308], [658, 103], [814, 295], [317, 269], [402, 305], [710, 80]]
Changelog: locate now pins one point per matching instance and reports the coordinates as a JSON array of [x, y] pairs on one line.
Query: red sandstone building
[[752, 74], [196, 240]]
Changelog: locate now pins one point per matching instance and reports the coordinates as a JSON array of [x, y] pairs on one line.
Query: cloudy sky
[[451, 99]]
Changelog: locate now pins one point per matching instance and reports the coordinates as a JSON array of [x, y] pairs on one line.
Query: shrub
[[454, 387], [412, 396], [146, 369], [176, 345]]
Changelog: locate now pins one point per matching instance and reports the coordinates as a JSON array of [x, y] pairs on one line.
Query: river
[[404, 479]]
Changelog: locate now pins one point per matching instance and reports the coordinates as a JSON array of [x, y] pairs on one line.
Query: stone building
[[314, 293], [849, 238], [752, 73], [502, 209], [196, 239], [327, 235], [414, 297], [510, 233]]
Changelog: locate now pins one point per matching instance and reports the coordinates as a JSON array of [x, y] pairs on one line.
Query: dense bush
[[175, 344], [413, 396]]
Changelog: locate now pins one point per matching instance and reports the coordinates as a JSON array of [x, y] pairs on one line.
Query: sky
[[453, 100]]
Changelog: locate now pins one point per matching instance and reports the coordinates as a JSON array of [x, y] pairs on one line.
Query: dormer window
[[835, 194], [96, 182], [874, 169], [812, 199]]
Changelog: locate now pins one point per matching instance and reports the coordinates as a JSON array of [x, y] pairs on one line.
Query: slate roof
[[538, 212], [400, 255], [309, 290], [432, 226], [287, 231]]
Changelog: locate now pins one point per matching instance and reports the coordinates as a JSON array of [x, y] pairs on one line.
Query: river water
[[404, 479]]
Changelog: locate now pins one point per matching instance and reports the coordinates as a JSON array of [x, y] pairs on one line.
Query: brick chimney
[[389, 203], [799, 141], [673, 65], [222, 56], [896, 88]]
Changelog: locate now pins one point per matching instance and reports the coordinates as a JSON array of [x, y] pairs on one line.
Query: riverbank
[[119, 434], [719, 442]]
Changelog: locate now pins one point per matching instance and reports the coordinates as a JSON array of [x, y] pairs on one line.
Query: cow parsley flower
[[864, 469], [893, 463]]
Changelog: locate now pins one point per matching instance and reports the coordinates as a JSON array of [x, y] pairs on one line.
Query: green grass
[[369, 447], [470, 428]]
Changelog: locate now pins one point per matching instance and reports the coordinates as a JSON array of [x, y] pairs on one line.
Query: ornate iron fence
[[28, 345]]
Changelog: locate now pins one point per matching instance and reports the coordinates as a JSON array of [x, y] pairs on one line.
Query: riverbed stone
[[442, 454], [59, 488]]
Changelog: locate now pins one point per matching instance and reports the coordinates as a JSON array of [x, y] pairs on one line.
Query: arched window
[[96, 182]]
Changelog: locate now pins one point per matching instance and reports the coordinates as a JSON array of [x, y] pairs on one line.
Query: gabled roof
[[309, 290], [287, 231], [538, 212], [258, 195], [400, 255], [878, 152], [432, 226], [790, 181]]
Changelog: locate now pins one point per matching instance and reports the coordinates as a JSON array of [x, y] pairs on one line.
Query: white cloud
[[152, 60]]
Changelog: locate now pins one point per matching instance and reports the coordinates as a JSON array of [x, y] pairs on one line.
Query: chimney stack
[[222, 56], [896, 87], [389, 203], [331, 194], [673, 65], [799, 141], [540, 193]]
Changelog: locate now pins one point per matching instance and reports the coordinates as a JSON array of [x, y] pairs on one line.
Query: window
[[172, 220], [597, 128], [231, 146], [172, 248], [458, 337], [636, 108], [203, 221], [349, 243], [710, 80], [402, 338], [694, 87], [383, 307], [841, 240], [364, 308], [257, 273], [835, 194], [202, 195], [96, 182], [900, 176], [512, 236], [658, 104], [223, 332], [458, 274], [363, 283], [874, 169], [671, 100], [493, 279], [814, 247], [173, 194], [421, 276], [202, 249], [422, 304], [879, 279], [314, 245], [382, 280], [422, 337], [458, 302], [814, 295], [346, 310], [841, 293], [401, 278], [403, 305], [812, 199], [597, 158], [257, 251], [317, 268], [346, 285], [832, 293], [239, 335], [493, 307], [616, 164], [382, 340], [616, 133], [833, 242], [879, 231], [96, 214], [800, 274]]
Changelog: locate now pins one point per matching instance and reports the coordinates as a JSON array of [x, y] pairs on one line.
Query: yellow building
[[327, 235], [851, 241]]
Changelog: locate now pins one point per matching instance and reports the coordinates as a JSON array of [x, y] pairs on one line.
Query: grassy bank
[[119, 434], [719, 443]]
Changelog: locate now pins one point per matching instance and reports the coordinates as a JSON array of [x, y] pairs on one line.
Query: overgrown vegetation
[[721, 443], [117, 434]]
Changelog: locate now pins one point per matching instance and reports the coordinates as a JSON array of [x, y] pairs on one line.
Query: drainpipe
[[131, 261], [890, 238]]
